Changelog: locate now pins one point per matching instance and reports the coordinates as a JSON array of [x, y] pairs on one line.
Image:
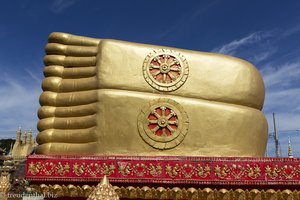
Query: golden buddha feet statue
[[109, 97]]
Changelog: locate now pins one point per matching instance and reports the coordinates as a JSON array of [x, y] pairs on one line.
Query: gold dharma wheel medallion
[[163, 123], [165, 70]]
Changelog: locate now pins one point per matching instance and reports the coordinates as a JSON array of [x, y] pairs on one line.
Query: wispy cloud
[[290, 31], [58, 6], [282, 76], [34, 76], [283, 98], [18, 104], [232, 47], [261, 56], [283, 94]]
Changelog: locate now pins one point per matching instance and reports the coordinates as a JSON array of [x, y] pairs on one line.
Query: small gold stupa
[[104, 191], [4, 182]]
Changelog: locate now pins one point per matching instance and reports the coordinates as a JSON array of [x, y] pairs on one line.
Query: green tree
[[6, 144]]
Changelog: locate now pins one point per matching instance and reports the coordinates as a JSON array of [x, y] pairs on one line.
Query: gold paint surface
[[213, 77], [95, 91]]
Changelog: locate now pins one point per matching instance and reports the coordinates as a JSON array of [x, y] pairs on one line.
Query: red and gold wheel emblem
[[165, 70], [162, 121], [163, 124]]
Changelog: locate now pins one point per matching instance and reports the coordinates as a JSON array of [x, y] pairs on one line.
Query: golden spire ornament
[[103, 191], [4, 183], [290, 150]]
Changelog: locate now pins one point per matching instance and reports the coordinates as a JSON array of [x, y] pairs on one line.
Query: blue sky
[[264, 32]]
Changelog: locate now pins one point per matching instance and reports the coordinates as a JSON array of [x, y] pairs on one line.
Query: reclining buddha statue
[[110, 97]]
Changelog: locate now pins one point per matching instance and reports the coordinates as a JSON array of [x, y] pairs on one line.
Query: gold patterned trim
[[165, 70], [170, 193]]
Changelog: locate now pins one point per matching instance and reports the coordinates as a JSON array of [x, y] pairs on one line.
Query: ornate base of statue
[[167, 177]]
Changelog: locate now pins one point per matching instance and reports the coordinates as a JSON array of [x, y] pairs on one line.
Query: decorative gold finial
[[4, 183], [29, 137], [24, 137], [290, 150], [103, 190], [104, 181], [19, 132]]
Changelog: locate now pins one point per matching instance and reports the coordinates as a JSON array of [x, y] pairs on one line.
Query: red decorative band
[[199, 170]]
